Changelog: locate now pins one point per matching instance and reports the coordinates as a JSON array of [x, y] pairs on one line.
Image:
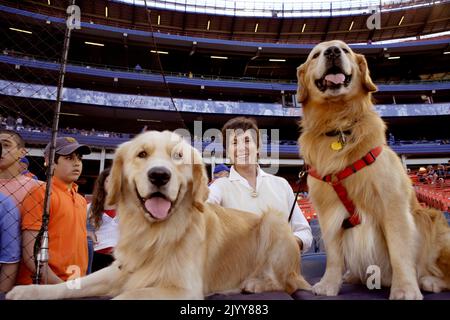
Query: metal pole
[[41, 244], [213, 163], [102, 160]]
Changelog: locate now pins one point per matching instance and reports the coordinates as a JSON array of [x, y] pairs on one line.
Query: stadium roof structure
[[246, 60], [277, 8], [397, 19], [128, 39]]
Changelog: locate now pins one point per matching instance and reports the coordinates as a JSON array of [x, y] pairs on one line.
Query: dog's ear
[[114, 187], [200, 190], [365, 74], [302, 91]]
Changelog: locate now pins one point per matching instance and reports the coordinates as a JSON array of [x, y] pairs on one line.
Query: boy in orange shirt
[[67, 222]]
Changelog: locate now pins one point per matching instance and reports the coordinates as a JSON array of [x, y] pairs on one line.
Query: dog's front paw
[[407, 292], [255, 285], [326, 288], [350, 278], [432, 284], [29, 292]]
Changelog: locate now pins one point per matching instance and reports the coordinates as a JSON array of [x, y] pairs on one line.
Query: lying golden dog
[[173, 245], [367, 207]]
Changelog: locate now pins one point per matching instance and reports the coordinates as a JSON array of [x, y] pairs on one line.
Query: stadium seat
[[317, 245], [313, 265]]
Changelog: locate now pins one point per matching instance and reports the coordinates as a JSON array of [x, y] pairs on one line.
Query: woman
[[249, 188], [104, 221]]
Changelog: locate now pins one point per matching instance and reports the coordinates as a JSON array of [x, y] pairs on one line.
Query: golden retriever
[[174, 245], [409, 244]]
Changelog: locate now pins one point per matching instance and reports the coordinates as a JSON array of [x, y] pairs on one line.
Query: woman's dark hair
[[240, 123], [98, 200]]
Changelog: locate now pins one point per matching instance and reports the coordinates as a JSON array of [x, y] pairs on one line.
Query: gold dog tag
[[336, 146]]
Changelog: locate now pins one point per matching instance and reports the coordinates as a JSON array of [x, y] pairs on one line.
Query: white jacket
[[272, 192], [108, 233]]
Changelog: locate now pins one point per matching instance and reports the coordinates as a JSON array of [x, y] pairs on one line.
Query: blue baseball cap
[[24, 160], [221, 167]]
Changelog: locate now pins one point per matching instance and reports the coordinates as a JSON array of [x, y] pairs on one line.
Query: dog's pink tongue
[[158, 207], [335, 78]]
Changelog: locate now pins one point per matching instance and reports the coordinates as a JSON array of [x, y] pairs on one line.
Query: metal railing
[[194, 75]]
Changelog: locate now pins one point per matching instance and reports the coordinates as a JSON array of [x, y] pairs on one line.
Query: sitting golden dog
[[173, 245], [367, 207]]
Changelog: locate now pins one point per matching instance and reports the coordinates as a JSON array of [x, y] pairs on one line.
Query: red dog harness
[[335, 180]]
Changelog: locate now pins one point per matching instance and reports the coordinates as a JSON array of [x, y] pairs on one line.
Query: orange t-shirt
[[66, 229]]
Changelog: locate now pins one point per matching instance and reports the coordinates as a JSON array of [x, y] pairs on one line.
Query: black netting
[[28, 100]]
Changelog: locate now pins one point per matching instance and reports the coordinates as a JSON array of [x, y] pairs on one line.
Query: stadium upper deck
[[112, 53], [334, 19], [125, 49]]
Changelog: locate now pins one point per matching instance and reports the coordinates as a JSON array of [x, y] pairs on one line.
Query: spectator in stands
[[12, 182], [431, 175], [440, 171], [25, 164], [441, 174], [104, 220], [9, 242], [220, 171], [391, 140], [19, 124], [67, 224], [422, 174], [10, 123], [251, 189]]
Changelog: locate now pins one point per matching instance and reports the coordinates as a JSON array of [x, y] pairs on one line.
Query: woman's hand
[[300, 243]]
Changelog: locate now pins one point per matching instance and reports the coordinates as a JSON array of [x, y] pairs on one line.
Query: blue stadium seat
[[447, 214], [313, 265], [317, 245]]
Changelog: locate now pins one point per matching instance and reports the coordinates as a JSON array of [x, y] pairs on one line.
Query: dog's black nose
[[332, 52], [159, 176]]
